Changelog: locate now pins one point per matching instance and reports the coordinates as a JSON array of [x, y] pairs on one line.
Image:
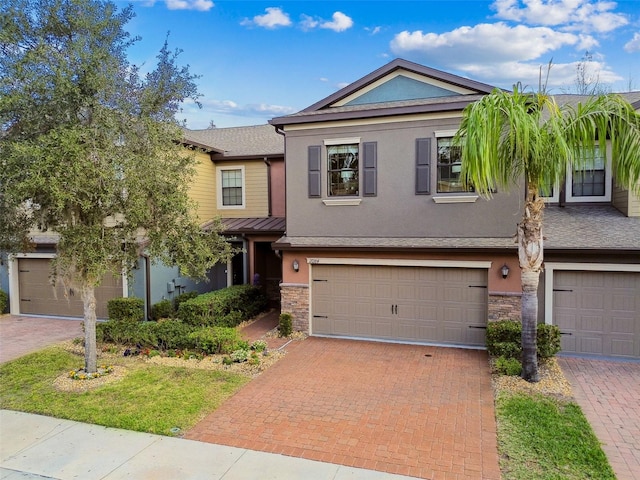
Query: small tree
[[508, 137], [88, 148]]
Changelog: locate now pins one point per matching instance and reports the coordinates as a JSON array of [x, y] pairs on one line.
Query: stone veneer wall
[[294, 299], [505, 306]]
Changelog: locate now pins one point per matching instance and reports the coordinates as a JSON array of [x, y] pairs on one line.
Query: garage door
[[38, 297], [598, 312], [418, 304]]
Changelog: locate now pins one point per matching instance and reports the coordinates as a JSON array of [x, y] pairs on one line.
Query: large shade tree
[[89, 151], [511, 137]]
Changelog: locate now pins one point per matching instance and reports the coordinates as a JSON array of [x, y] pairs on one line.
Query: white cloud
[[633, 45], [308, 23], [574, 15], [500, 54], [274, 18], [200, 5], [374, 30], [485, 43], [232, 108], [340, 22]]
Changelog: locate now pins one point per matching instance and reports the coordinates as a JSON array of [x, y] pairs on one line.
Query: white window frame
[[340, 199], [219, 171], [568, 184]]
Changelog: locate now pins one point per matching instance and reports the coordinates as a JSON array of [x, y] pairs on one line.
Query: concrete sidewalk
[[38, 447]]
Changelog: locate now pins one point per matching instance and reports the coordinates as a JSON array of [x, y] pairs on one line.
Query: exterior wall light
[[505, 271], [296, 265]]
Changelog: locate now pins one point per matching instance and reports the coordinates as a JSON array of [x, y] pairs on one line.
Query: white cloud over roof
[[525, 37]]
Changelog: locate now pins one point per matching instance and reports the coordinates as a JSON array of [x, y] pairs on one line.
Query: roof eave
[[280, 122], [392, 66]]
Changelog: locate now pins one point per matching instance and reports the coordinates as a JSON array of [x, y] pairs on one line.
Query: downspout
[[279, 131], [147, 283], [268, 164]]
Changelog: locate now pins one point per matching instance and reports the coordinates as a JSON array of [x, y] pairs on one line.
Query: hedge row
[[170, 335], [504, 339], [224, 308], [4, 300]]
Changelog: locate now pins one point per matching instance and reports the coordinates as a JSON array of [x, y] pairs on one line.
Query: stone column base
[[504, 306], [294, 299]]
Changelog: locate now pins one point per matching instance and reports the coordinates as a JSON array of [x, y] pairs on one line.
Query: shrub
[[285, 325], [122, 333], [123, 309], [183, 297], [504, 339], [259, 346], [226, 307], [162, 309], [239, 356], [508, 366], [163, 335], [4, 300], [215, 340], [548, 337]]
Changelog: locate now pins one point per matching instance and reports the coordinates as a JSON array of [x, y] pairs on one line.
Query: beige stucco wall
[[396, 210]]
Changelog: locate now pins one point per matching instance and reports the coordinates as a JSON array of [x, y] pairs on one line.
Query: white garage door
[[39, 297], [418, 304], [598, 312]]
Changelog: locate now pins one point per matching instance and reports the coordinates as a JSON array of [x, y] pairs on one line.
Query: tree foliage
[[89, 146], [508, 137]]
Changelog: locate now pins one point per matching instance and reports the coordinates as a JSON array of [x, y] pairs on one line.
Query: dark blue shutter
[[370, 165], [423, 166], [314, 156]]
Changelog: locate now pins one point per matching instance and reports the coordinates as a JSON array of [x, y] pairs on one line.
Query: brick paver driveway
[[421, 411], [609, 394], [20, 335]]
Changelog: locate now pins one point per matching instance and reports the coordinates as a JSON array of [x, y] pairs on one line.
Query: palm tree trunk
[[530, 253], [90, 347]]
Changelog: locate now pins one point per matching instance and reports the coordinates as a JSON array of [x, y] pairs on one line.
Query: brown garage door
[[38, 297], [598, 312], [440, 305]]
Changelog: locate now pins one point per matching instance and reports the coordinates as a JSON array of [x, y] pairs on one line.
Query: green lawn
[[150, 398], [541, 438]]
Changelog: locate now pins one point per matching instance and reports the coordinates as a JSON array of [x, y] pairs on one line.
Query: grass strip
[[541, 438], [150, 398]]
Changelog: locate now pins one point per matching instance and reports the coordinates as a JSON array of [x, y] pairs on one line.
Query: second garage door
[[417, 304], [38, 297], [598, 312]]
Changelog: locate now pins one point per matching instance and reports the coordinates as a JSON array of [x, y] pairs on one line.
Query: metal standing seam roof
[[250, 141], [255, 225]]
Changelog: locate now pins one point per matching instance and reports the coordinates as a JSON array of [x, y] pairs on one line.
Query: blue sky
[[258, 60]]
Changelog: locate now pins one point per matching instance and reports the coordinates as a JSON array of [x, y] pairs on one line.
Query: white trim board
[[397, 262], [551, 267]]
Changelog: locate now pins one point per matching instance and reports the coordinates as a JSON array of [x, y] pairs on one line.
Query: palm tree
[[510, 136]]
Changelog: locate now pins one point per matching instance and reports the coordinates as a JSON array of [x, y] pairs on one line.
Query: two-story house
[[239, 178], [383, 242]]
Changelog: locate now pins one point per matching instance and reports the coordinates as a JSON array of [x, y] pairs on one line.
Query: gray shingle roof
[[590, 227], [251, 141], [574, 228]]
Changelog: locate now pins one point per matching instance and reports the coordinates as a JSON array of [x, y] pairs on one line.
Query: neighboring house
[[241, 180], [383, 243], [239, 177]]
